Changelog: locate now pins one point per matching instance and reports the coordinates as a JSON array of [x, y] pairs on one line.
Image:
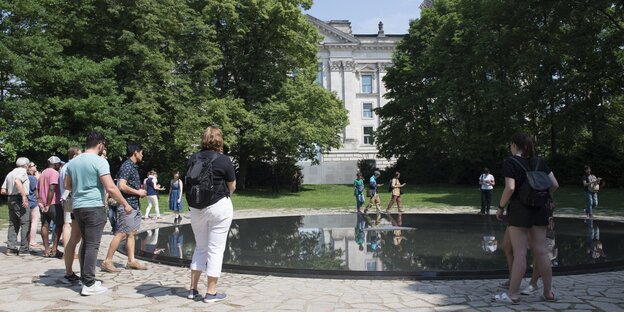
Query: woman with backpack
[[526, 219], [208, 196]]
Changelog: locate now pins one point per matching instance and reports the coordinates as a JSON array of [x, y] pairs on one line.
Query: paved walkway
[[34, 283]]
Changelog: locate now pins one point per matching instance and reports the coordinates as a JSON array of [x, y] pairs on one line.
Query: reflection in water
[[594, 245], [489, 244], [176, 240], [398, 243]]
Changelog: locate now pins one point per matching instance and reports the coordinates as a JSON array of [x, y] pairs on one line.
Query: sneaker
[[136, 265], [71, 279], [94, 289], [109, 267], [214, 298], [529, 290], [194, 293]]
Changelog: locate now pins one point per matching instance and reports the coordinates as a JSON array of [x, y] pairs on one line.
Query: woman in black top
[[525, 221], [211, 224]]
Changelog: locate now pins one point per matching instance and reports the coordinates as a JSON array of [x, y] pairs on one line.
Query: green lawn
[[429, 196]]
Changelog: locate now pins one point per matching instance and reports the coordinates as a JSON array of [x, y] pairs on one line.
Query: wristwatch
[[499, 207]]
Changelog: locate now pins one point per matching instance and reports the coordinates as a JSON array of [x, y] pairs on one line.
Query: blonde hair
[[212, 139]]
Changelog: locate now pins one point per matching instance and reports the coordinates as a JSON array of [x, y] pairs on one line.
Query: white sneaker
[[94, 289], [529, 290]]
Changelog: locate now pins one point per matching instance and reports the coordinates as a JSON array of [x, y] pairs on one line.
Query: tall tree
[[269, 63], [470, 73]]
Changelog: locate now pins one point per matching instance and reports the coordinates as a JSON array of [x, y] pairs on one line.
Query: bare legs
[[34, 222], [70, 248], [520, 241], [114, 244]]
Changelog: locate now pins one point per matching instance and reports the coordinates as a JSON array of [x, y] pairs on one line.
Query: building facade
[[352, 66]]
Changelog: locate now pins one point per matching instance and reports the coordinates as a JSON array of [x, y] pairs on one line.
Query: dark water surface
[[399, 246]]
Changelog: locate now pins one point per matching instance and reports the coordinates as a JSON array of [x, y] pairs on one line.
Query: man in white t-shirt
[[16, 186], [486, 183]]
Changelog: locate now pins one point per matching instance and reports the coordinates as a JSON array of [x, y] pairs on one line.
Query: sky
[[366, 14]]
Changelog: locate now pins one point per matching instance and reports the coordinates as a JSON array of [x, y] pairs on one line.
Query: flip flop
[[504, 298]]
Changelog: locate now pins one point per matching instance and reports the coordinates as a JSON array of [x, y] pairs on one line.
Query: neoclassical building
[[352, 66]]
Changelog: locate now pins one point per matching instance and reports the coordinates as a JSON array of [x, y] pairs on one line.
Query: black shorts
[[526, 217], [55, 213]]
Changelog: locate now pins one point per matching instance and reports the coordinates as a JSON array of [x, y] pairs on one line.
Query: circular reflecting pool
[[419, 246]]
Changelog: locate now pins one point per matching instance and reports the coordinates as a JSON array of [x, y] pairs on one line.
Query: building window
[[367, 83], [319, 75], [367, 110], [371, 265], [368, 135]]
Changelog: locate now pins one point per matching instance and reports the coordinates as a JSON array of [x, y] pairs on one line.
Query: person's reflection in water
[[150, 243], [360, 224], [176, 240], [489, 244], [594, 245], [397, 222]]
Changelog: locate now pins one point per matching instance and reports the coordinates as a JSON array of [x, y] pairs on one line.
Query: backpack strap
[[537, 160], [519, 163]]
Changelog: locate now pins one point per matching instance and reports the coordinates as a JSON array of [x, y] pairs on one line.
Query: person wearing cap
[[50, 205], [16, 186]]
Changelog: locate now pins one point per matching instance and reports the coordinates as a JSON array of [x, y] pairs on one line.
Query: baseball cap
[[22, 161], [54, 160]]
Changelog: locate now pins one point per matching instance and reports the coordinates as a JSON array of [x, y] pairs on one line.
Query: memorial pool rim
[[611, 263]]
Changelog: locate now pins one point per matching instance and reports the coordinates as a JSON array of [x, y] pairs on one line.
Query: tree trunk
[[243, 166]]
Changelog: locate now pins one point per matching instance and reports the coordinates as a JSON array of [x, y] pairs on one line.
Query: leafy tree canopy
[[471, 73]]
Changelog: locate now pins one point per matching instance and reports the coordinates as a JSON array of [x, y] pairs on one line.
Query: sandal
[[58, 255], [504, 284], [551, 299], [504, 298]]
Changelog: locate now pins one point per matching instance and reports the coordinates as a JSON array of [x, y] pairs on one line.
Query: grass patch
[[415, 196]]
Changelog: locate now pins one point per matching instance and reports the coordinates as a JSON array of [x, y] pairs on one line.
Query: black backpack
[[199, 181], [534, 192]]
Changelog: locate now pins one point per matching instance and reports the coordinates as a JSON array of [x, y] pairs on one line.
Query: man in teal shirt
[[87, 177]]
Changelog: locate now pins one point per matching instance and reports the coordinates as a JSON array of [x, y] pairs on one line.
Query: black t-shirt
[[222, 171], [512, 169]]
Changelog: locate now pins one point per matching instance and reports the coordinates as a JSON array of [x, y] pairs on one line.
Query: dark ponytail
[[524, 142]]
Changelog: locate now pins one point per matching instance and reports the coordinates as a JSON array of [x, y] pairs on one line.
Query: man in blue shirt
[[374, 197], [87, 177]]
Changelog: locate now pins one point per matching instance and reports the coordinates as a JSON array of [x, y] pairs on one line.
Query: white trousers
[[211, 226], [152, 200]]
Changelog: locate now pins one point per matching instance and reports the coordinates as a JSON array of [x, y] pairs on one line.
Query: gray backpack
[[535, 191]]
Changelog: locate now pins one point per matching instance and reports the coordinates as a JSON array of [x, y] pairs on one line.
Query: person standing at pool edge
[[211, 224], [525, 221], [486, 183]]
